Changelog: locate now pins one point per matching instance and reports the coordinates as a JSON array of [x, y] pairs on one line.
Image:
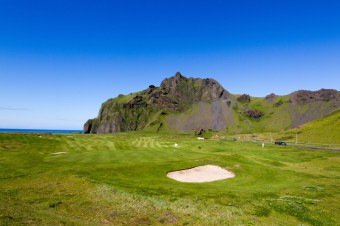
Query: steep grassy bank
[[320, 133], [119, 179], [325, 130]]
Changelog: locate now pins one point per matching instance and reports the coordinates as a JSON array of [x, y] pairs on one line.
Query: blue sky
[[59, 60]]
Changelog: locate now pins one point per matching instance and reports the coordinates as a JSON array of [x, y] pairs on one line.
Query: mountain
[[182, 104]]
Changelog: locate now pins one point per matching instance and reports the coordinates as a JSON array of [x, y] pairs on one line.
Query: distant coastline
[[4, 130]]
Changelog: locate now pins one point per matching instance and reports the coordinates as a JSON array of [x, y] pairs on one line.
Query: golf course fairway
[[120, 179]]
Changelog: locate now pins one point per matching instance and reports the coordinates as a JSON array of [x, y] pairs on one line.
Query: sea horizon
[[14, 130]]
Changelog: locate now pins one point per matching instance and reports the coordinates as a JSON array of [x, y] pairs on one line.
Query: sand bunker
[[201, 174]]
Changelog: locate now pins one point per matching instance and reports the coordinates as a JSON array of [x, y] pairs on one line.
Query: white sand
[[58, 153], [201, 174]]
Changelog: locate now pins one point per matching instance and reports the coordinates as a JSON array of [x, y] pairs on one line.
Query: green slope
[[325, 130], [274, 119]]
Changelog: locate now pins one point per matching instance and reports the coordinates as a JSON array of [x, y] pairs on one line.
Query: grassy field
[[119, 179]]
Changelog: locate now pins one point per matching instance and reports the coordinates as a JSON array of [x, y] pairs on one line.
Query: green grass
[[320, 133], [324, 132], [119, 179], [315, 130], [274, 119]]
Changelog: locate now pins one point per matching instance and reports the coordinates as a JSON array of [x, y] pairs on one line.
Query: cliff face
[[193, 90], [176, 94], [305, 96], [182, 103]]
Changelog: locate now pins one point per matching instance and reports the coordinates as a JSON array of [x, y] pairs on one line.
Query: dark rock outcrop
[[193, 90], [270, 97], [137, 102], [305, 96], [245, 98], [253, 113], [199, 132], [88, 126]]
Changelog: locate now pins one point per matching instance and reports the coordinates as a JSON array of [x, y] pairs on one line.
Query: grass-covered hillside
[[275, 115], [120, 179], [188, 104], [325, 130]]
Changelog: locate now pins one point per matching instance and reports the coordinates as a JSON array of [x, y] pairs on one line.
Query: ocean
[[38, 131]]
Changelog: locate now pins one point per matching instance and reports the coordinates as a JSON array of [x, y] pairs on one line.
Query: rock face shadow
[[201, 174]]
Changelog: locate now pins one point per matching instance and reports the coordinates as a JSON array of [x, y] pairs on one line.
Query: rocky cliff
[[182, 103], [134, 112]]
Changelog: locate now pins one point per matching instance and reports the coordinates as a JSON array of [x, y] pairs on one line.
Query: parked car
[[281, 143]]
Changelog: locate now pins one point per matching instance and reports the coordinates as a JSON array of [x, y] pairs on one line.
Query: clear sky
[[60, 60]]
